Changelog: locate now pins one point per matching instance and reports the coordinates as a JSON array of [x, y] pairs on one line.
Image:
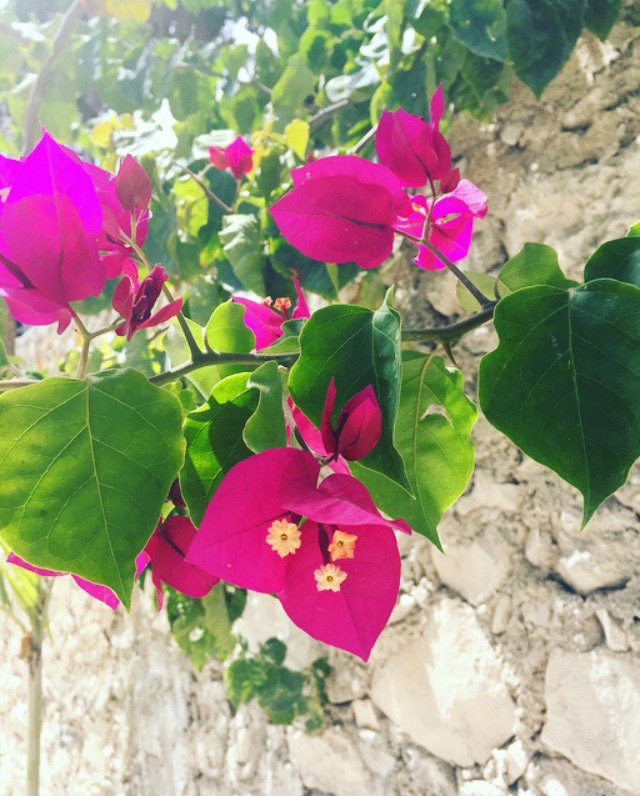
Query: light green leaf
[[563, 384], [296, 135], [433, 435], [265, 428], [294, 86], [357, 347], [485, 284], [85, 467], [536, 264], [226, 332], [240, 236]]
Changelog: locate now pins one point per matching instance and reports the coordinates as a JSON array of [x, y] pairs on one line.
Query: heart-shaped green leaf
[[536, 264], [265, 428], [357, 347], [564, 383], [85, 467], [433, 435]]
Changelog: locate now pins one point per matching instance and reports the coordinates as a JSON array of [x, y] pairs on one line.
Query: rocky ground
[[512, 663]]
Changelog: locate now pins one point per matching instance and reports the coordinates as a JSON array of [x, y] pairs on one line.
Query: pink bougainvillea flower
[[265, 322], [358, 427], [449, 226], [166, 549], [95, 590], [40, 274], [134, 301], [237, 157], [342, 209], [412, 148], [323, 548]]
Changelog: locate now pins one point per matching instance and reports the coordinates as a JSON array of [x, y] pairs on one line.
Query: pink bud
[[133, 186], [359, 424], [450, 181]]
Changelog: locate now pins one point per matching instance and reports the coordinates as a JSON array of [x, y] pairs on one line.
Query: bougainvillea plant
[[279, 449]]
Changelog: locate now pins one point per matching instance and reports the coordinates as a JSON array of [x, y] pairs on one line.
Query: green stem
[[451, 332], [194, 348], [216, 358], [33, 649]]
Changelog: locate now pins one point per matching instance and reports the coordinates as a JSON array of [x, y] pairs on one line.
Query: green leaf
[[202, 628], [485, 284], [297, 137], [214, 434], [85, 467], [226, 332], [240, 236], [634, 230], [289, 343], [481, 25], [433, 435], [541, 35], [536, 264], [563, 382], [265, 428], [288, 95], [395, 10], [357, 347], [600, 16], [280, 695], [616, 259]]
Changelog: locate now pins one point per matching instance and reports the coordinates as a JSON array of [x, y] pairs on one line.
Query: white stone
[[445, 689], [585, 571], [593, 713], [501, 614], [517, 759], [615, 636], [330, 762], [476, 570], [365, 714], [539, 549], [478, 787]]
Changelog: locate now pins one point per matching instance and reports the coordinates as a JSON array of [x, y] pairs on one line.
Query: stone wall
[[511, 665]]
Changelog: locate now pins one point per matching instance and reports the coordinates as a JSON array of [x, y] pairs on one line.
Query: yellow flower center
[[284, 537], [329, 577], [343, 545], [282, 303]]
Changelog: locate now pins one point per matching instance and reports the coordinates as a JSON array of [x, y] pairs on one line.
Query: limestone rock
[[445, 689], [365, 714], [330, 762], [476, 570], [478, 787], [615, 636], [593, 713]]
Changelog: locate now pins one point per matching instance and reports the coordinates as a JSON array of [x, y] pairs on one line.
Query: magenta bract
[[133, 186], [413, 149], [323, 548], [265, 322], [134, 301], [95, 590], [342, 209], [359, 425], [237, 157], [41, 274], [450, 224], [167, 549]]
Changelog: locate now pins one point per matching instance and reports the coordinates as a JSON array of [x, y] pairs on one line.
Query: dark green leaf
[[600, 16], [433, 435], [274, 651], [616, 259], [356, 347], [240, 236], [214, 434], [85, 467], [536, 264], [563, 383], [541, 35], [480, 25]]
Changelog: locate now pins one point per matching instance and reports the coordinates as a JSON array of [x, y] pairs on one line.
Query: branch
[[210, 194], [451, 332], [216, 358], [318, 119], [63, 34]]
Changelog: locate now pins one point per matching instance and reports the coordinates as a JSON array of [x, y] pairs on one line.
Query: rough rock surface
[[558, 611]]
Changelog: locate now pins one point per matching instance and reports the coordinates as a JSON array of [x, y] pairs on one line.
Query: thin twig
[[324, 114], [15, 384], [362, 143], [217, 358], [210, 194], [194, 349]]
